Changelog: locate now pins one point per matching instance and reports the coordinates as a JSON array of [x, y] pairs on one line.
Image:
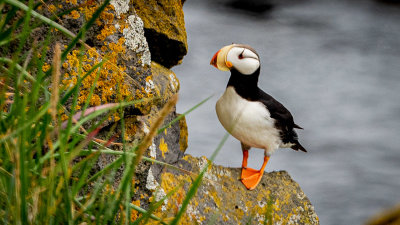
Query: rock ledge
[[222, 197]]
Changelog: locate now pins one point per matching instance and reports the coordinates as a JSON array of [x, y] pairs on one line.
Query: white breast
[[248, 121]]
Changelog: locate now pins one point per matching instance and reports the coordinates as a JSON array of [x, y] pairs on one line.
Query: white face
[[243, 60]]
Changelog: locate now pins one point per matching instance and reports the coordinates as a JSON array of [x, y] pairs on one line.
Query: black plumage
[[247, 87]]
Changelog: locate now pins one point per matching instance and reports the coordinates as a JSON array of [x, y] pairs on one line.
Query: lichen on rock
[[222, 197], [120, 6], [135, 40], [164, 26]]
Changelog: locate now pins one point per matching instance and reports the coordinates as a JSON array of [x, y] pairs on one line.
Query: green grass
[[45, 163]]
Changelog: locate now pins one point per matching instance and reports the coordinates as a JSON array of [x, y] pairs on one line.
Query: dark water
[[336, 66]]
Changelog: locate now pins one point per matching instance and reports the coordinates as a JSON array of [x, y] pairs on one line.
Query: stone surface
[[223, 199], [390, 216], [135, 40], [165, 31], [117, 40]]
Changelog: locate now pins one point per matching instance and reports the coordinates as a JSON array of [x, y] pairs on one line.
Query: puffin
[[249, 114]]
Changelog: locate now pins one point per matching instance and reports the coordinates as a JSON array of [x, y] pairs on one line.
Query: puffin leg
[[245, 150], [251, 177]]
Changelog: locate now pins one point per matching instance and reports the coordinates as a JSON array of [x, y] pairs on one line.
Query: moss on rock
[[164, 28]]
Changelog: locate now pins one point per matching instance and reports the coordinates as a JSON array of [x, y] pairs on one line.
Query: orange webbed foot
[[251, 177]]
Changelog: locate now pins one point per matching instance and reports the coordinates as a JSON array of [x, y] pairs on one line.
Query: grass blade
[[28, 123], [44, 19], [184, 114], [143, 211]]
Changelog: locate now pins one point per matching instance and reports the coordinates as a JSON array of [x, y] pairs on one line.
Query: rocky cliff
[[139, 41]]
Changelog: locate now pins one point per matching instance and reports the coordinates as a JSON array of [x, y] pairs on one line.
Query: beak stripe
[[214, 59], [219, 59]]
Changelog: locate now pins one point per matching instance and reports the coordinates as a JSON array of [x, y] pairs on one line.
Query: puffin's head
[[241, 57]]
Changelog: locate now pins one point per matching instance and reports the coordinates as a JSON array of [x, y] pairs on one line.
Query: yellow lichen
[[168, 183], [130, 128], [183, 134], [163, 147], [110, 86], [173, 28], [216, 198]]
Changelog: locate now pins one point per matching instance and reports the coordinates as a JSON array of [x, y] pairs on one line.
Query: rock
[[388, 217], [162, 84], [159, 85], [165, 81], [164, 28], [224, 200], [116, 39]]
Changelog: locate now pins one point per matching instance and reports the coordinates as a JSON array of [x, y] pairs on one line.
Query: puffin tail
[[297, 146]]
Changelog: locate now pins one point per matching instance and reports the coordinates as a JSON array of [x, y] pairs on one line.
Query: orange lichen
[[122, 25], [88, 9], [72, 2], [52, 8], [134, 213], [75, 14], [130, 128], [149, 78], [46, 67], [110, 86], [106, 31], [64, 117], [107, 17], [109, 80], [109, 189]]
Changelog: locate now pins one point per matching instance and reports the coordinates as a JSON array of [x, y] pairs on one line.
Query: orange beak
[[214, 59], [219, 59]]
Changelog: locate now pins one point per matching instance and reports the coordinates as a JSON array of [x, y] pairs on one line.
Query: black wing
[[284, 120]]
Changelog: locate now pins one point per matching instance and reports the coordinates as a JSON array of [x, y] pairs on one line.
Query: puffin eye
[[241, 54]]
